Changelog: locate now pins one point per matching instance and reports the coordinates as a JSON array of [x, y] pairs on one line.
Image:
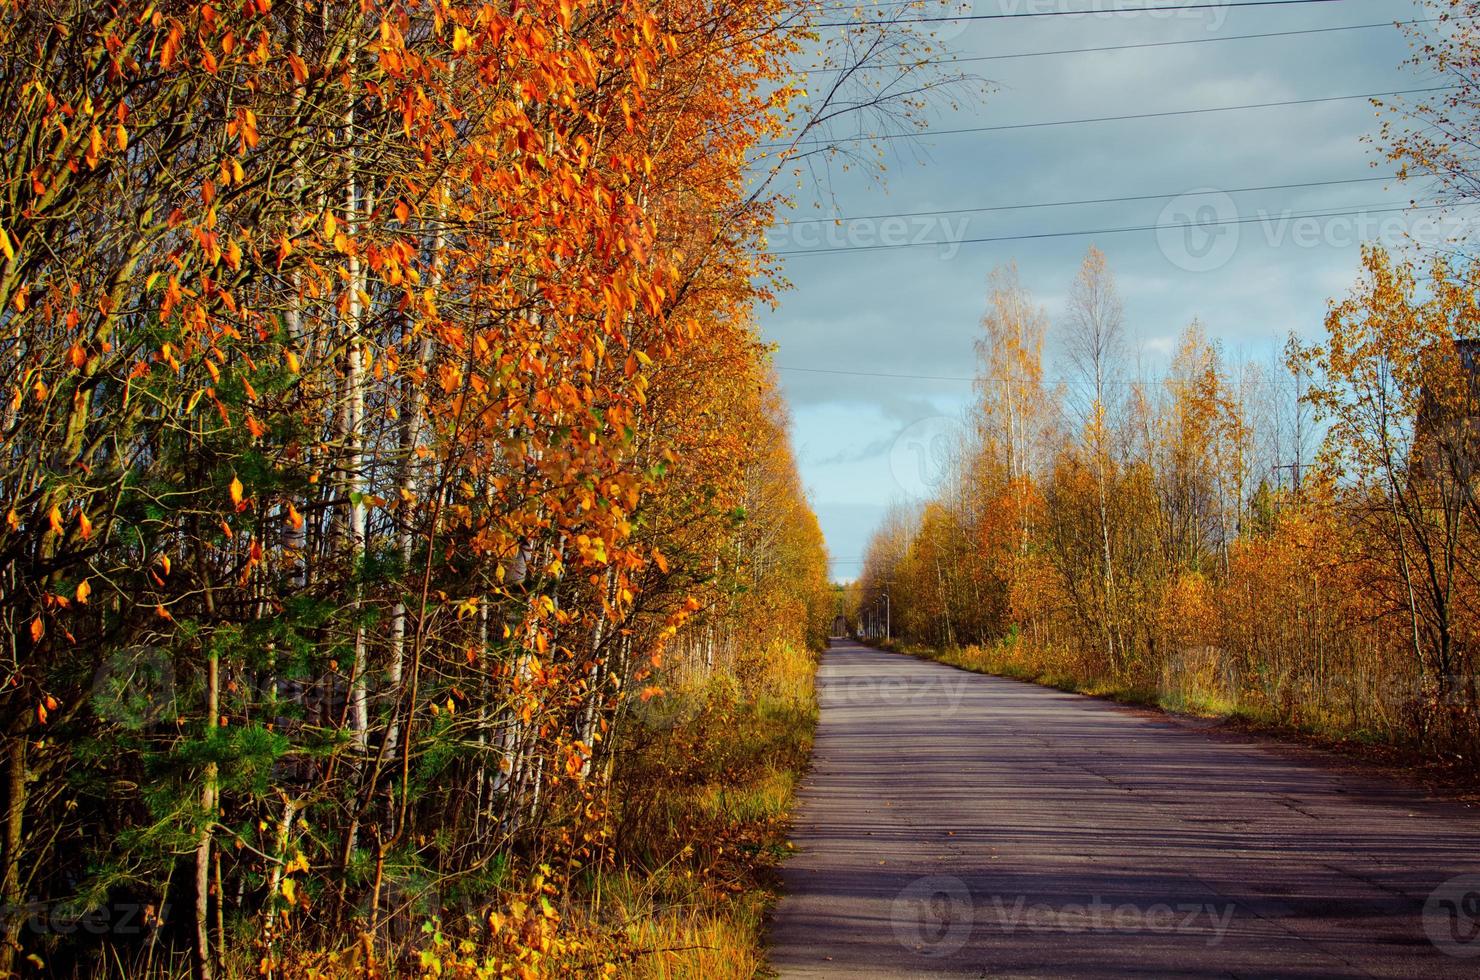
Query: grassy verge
[[696, 824], [1191, 701], [1003, 662], [1380, 750], [698, 844]]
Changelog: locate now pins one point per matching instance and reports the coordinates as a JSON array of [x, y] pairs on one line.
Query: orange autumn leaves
[[1184, 536], [397, 399]]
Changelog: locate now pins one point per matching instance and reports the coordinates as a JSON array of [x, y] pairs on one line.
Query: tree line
[[384, 422], [1294, 539]]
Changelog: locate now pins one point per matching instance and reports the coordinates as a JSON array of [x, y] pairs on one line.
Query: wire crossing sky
[[1386, 25], [927, 134], [1080, 11], [1226, 182]]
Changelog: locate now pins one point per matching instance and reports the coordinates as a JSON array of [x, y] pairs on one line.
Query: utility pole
[[888, 634], [1294, 469]]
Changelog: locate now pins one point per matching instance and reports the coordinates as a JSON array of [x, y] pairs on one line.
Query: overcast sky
[[916, 311]]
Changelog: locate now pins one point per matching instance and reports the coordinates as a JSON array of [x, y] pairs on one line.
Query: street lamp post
[[887, 632]]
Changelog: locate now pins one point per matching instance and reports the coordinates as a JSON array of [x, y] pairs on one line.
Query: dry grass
[[1191, 686], [696, 869]]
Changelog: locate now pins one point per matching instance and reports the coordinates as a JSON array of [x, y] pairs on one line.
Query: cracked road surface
[[958, 825]]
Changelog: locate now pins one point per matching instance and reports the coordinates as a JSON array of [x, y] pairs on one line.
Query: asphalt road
[[957, 825]]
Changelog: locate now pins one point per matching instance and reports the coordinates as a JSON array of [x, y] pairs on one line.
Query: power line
[[1098, 200], [1099, 119], [1107, 231], [890, 4], [923, 62], [865, 22], [1047, 383], [872, 374]]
